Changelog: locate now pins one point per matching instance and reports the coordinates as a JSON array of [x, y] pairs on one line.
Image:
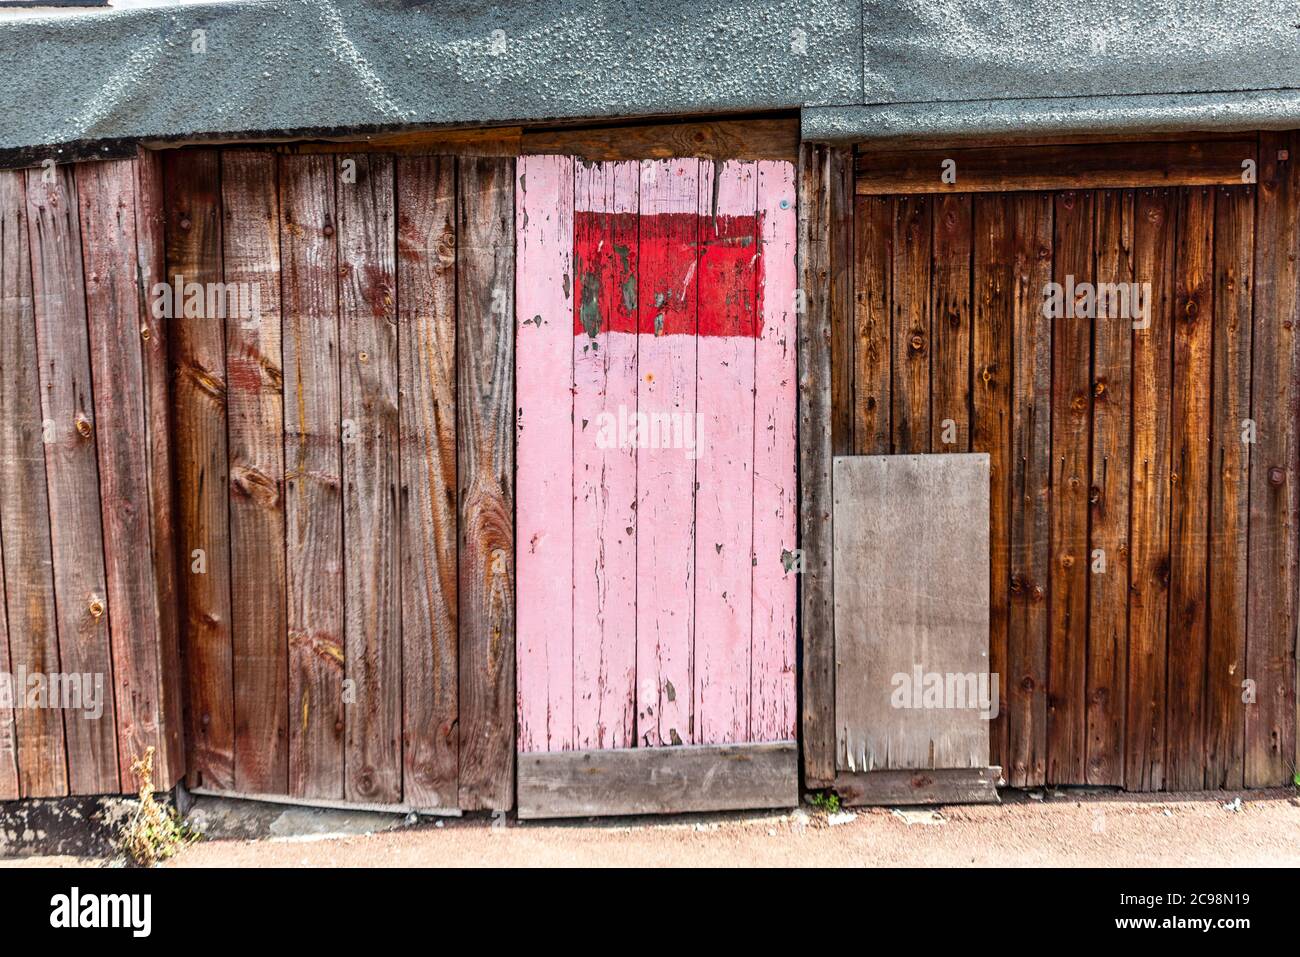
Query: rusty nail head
[[1276, 475]]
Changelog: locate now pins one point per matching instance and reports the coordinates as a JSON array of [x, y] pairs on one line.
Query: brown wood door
[[1127, 359]]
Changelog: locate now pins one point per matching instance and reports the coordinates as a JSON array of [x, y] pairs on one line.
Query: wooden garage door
[[1143, 466], [656, 451]]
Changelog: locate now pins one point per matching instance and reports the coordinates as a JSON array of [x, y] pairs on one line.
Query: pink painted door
[[655, 375]]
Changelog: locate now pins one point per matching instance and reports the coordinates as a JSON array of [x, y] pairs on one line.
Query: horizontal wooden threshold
[[1097, 166], [766, 139], [940, 786], [723, 777]]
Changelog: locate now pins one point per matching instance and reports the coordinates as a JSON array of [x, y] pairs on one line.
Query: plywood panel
[[723, 518], [254, 427], [666, 386], [426, 282], [920, 618], [313, 487], [368, 402], [604, 453], [72, 474], [772, 695]]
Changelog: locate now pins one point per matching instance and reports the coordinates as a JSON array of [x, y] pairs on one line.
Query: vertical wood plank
[[1234, 255], [24, 502], [772, 693], [843, 318], [950, 324], [1189, 489], [313, 475], [666, 385], [485, 400], [604, 460], [1153, 257], [192, 191], [151, 268], [544, 445], [426, 299], [911, 324], [1275, 467], [8, 731], [873, 224], [1071, 480], [815, 527], [1026, 681], [1112, 346], [723, 515], [72, 476], [255, 429], [992, 339], [368, 401], [110, 249]]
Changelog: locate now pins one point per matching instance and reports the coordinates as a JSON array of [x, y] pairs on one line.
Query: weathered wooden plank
[[198, 354], [729, 777], [950, 325], [774, 652], [1234, 256], [843, 310], [773, 139], [485, 402], [72, 476], [1189, 490], [313, 476], [1055, 167], [724, 472], [1071, 480], [544, 446], [492, 141], [604, 454], [910, 307], [8, 731], [666, 385], [815, 525], [151, 268], [255, 435], [935, 786], [1108, 555], [110, 250], [873, 254], [426, 283], [992, 340], [912, 683], [24, 502], [1275, 467], [368, 401], [1153, 257], [1026, 678]]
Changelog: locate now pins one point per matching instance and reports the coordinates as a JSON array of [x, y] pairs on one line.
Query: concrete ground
[[1066, 828]]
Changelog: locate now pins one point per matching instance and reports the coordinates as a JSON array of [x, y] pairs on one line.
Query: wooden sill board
[[940, 786]]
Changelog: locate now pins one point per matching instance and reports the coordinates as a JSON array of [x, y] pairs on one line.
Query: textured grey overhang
[[271, 66], [861, 69]]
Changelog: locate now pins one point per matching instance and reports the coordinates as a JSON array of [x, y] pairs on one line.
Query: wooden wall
[[1111, 440], [344, 475], [86, 551]]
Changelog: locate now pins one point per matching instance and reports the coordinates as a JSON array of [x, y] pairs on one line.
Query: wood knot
[[83, 426], [96, 607], [185, 223], [328, 230], [917, 342]]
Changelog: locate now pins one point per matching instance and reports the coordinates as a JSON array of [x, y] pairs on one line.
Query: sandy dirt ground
[[1064, 829]]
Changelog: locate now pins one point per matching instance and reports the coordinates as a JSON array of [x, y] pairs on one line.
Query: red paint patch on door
[[725, 249]]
